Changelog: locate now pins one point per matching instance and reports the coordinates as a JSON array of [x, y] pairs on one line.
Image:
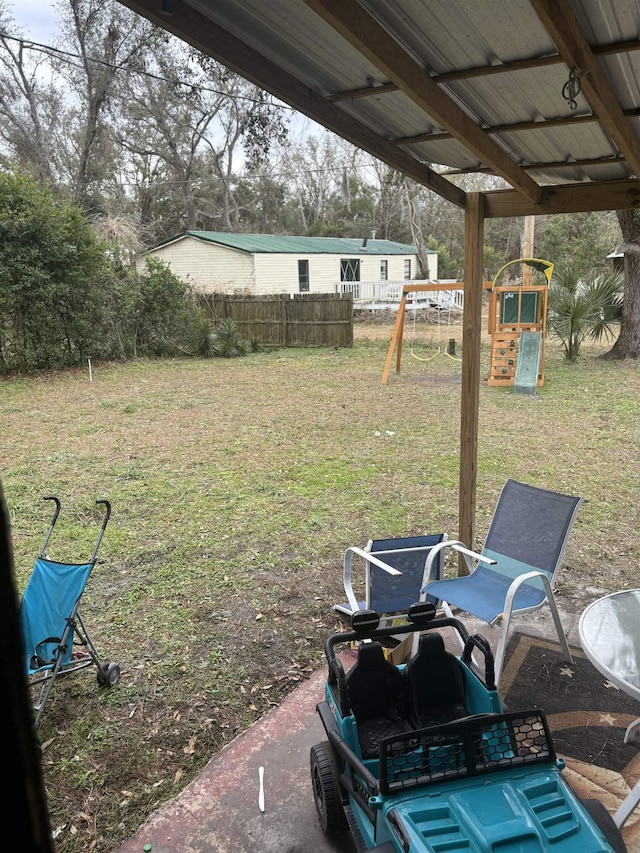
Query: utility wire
[[66, 56]]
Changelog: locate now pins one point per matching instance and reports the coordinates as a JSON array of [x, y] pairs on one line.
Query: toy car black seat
[[435, 686], [376, 698]]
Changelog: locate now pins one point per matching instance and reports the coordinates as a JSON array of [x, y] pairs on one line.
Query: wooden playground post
[[527, 248], [396, 335]]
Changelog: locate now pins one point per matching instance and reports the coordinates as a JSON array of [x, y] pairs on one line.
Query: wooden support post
[[470, 403]]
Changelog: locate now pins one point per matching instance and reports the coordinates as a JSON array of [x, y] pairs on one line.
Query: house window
[[384, 270], [303, 276], [350, 272], [407, 269], [350, 269]]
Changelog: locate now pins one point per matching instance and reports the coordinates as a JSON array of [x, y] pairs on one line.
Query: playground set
[[517, 323], [518, 328]]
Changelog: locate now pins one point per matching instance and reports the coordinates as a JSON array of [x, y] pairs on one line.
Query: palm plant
[[226, 341], [584, 306]]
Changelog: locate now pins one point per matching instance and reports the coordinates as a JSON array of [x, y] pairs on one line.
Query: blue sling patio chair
[[394, 573], [55, 640], [516, 571]]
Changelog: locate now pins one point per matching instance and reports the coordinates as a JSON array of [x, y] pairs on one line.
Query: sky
[[37, 19]]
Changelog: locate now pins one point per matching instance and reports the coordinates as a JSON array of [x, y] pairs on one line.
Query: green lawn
[[236, 486]]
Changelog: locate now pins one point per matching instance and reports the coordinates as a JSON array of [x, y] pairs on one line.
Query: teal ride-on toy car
[[423, 756]]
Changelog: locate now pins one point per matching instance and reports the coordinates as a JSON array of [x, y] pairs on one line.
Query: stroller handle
[[56, 513], [52, 524], [105, 521]]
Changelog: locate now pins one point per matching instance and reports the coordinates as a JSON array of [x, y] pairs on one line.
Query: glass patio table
[[609, 631]]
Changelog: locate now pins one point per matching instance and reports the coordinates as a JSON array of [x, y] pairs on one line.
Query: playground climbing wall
[[504, 357]]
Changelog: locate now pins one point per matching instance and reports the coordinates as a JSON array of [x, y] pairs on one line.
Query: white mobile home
[[265, 264]]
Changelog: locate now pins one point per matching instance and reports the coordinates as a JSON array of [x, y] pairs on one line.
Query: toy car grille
[[463, 748]]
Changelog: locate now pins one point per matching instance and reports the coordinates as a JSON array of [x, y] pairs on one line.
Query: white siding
[[276, 273], [209, 267], [206, 267], [279, 273], [324, 272]]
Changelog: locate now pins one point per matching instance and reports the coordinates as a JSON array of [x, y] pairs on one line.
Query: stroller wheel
[[108, 674]]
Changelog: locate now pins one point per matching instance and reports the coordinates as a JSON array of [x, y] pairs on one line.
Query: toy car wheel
[[108, 674], [326, 790]]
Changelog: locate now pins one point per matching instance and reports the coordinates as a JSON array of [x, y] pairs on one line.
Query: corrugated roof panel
[[607, 21], [393, 114], [518, 96], [457, 34], [557, 144], [298, 41], [579, 174], [270, 243], [451, 36], [624, 74], [449, 153]]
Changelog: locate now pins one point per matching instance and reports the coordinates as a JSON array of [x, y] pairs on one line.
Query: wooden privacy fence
[[286, 320]]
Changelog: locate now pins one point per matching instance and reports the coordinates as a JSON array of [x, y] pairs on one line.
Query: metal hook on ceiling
[[572, 88]]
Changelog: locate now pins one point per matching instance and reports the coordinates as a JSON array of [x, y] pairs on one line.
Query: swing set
[[398, 329], [450, 351]]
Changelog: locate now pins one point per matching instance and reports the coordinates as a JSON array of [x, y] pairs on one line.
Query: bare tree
[[415, 222], [197, 133], [29, 103], [109, 39]]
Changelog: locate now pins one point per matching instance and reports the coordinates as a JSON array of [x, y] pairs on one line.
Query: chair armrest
[[368, 557], [456, 545], [516, 583]]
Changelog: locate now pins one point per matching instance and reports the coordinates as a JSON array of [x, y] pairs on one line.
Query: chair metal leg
[[506, 619], [556, 619], [628, 805], [631, 731], [498, 659]]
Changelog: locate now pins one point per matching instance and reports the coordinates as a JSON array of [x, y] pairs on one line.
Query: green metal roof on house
[[270, 243]]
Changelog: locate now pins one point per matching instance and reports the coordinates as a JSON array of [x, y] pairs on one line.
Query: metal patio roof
[[542, 93], [276, 244]]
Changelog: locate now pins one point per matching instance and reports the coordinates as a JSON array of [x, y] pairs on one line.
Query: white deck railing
[[387, 294]]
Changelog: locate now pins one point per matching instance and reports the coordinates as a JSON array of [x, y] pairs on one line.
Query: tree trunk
[[416, 232], [628, 343]]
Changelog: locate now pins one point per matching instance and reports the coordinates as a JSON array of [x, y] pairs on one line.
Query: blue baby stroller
[[56, 642]]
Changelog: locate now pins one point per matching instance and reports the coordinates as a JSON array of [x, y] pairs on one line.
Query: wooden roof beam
[[365, 92], [364, 33], [489, 70], [545, 124], [562, 25], [554, 164], [568, 198], [533, 62], [632, 112]]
